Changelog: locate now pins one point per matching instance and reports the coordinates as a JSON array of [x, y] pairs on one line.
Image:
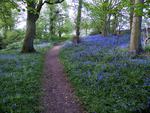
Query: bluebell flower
[[89, 63], [100, 76], [89, 73], [8, 57]]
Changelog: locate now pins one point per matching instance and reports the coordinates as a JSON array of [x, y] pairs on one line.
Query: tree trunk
[[60, 33], [52, 18], [115, 24], [79, 21], [135, 41], [30, 36], [33, 11], [131, 13], [1, 43], [31, 26], [86, 31], [106, 26]]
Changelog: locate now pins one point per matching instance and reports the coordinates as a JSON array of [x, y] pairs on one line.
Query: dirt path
[[58, 94]]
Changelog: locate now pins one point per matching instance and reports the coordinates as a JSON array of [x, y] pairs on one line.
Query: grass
[[20, 78], [147, 48], [108, 80]]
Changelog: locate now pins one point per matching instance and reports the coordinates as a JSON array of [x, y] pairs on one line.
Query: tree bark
[[31, 26], [60, 33], [106, 25], [115, 24], [30, 36], [131, 13], [1, 43], [33, 12], [79, 21], [52, 18], [135, 41]]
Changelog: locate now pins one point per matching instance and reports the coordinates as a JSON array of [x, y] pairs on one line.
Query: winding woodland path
[[58, 94]]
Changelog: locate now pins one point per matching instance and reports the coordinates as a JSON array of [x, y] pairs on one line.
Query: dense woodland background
[[53, 20], [105, 52]]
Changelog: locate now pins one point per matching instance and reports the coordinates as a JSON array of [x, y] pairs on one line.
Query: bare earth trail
[[58, 94]]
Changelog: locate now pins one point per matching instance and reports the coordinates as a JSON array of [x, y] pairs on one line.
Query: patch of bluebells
[[110, 41], [100, 76], [67, 44], [11, 63], [140, 61], [85, 53], [10, 59], [92, 48], [8, 56], [43, 45], [101, 65], [147, 82], [88, 63]]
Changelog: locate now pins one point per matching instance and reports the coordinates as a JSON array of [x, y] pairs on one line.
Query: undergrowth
[[20, 81], [108, 79]]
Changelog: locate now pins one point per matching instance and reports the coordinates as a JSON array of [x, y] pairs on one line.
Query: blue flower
[[100, 76]]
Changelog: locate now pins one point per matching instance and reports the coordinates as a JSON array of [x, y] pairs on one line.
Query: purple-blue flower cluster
[[96, 49], [107, 75]]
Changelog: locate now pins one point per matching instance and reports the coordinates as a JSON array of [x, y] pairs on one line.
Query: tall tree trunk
[[1, 43], [104, 29], [115, 24], [33, 11], [135, 41], [106, 26], [78, 20], [29, 37], [52, 18], [86, 31], [60, 33], [131, 13], [51, 27]]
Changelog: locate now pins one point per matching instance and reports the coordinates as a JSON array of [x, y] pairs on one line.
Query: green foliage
[[147, 48], [6, 9], [41, 32], [95, 31], [13, 36], [67, 27], [52, 21], [15, 45], [56, 39], [7, 22], [100, 12]]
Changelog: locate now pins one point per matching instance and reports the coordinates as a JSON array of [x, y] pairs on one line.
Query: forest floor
[[58, 94], [106, 77]]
